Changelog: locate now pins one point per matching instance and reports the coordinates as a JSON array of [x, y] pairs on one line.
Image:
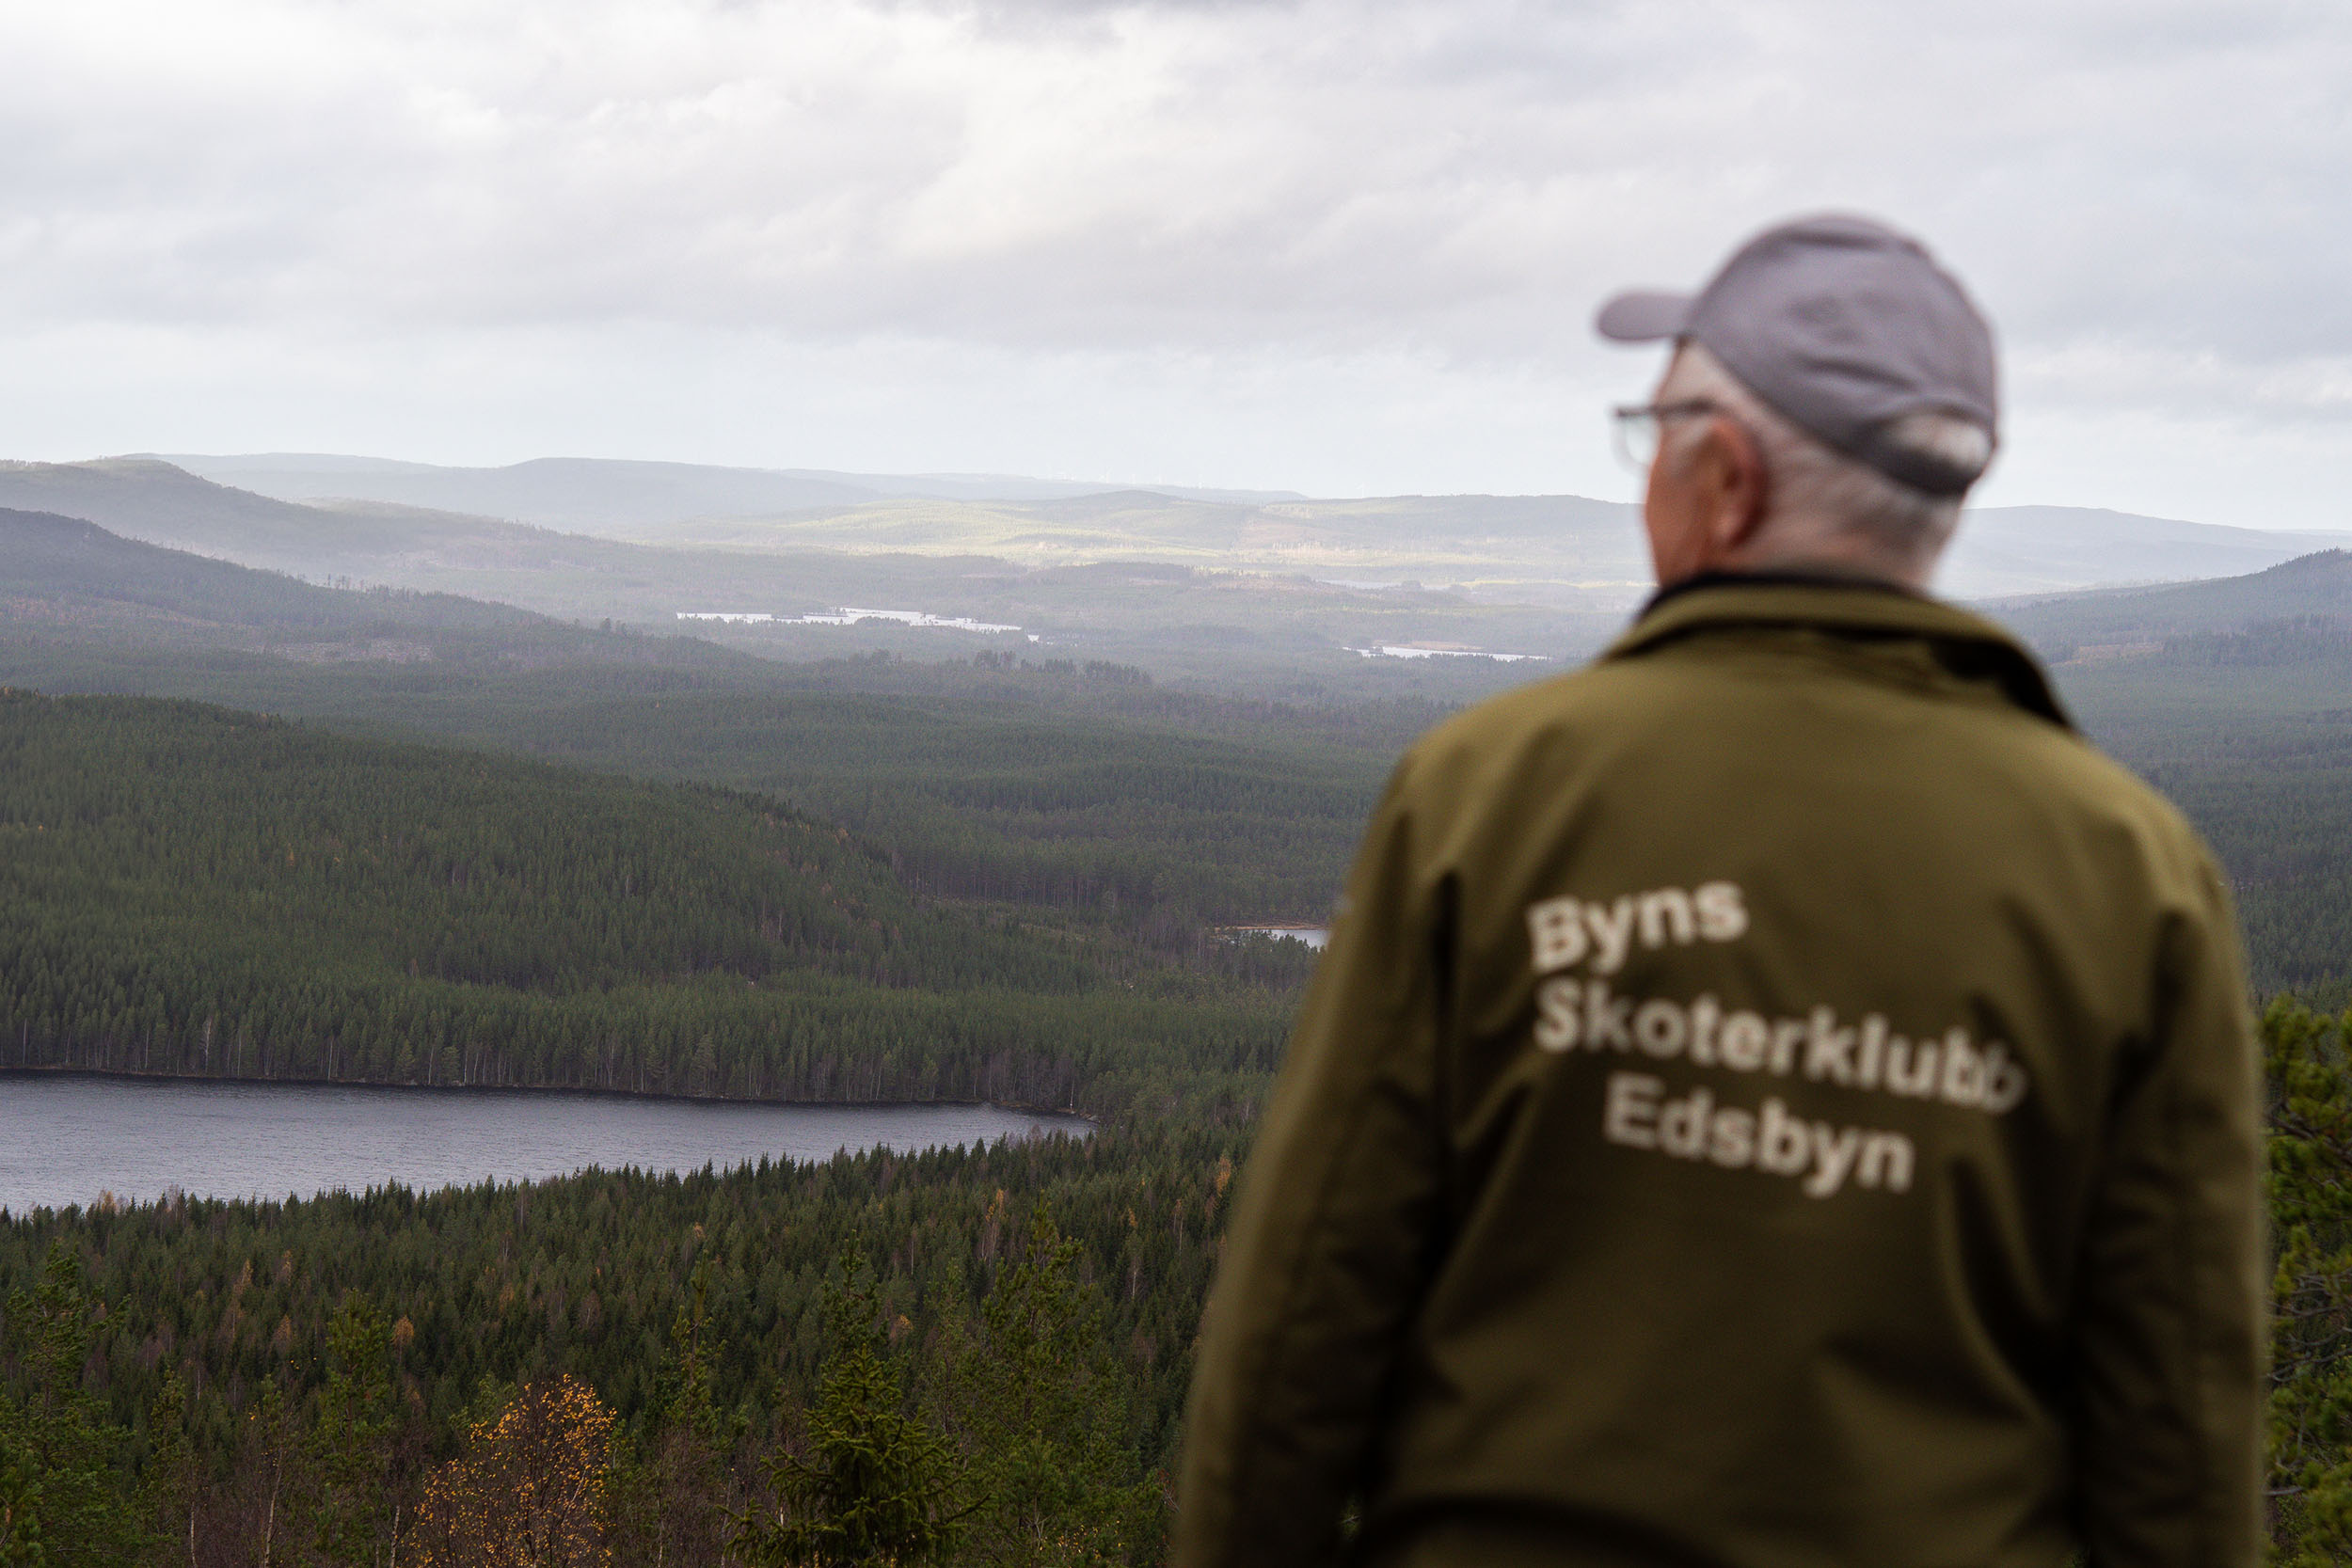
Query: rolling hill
[[191, 890], [70, 592], [1565, 550], [1242, 591], [588, 494], [2118, 622], [77, 573], [1140, 611]]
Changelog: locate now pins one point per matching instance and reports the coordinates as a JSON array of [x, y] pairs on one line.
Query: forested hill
[[154, 502], [2234, 698], [2136, 620], [1083, 791], [190, 890], [72, 588], [67, 572]]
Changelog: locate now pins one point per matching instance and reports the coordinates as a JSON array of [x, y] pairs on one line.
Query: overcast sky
[[1346, 248]]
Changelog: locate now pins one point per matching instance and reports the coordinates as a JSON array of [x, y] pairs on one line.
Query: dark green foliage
[[2316, 585], [1162, 832], [674, 1497], [1040, 1399], [1157, 813], [692, 1304], [351, 1444], [174, 1482], [63, 1499], [872, 1481], [2311, 1216], [2259, 757], [191, 890]]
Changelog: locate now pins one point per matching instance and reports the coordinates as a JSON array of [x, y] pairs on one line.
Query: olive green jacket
[[1774, 1097]]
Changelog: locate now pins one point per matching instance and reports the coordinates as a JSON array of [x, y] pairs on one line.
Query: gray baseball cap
[[1843, 325]]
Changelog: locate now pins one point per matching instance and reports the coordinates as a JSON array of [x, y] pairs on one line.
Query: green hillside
[[2235, 697], [88, 595], [1083, 787], [1153, 815], [2124, 623], [191, 890], [1087, 792], [73, 574], [224, 1345]]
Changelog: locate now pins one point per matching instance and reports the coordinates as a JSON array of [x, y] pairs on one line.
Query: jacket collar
[[1967, 644]]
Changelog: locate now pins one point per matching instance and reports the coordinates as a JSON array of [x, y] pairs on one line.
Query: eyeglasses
[[1640, 426]]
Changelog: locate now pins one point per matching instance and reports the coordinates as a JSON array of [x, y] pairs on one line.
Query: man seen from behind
[[1777, 1096]]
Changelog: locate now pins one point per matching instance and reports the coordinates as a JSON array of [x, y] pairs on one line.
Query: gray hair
[[1818, 488]]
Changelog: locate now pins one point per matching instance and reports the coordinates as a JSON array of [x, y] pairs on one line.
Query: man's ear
[[1736, 482]]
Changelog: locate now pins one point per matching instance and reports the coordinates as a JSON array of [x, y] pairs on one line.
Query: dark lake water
[[67, 1139]]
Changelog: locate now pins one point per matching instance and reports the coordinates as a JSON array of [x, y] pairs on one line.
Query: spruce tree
[[351, 1447], [59, 1484], [876, 1482]]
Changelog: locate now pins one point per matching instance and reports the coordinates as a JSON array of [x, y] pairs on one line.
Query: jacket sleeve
[[1328, 1250], [2169, 1323]]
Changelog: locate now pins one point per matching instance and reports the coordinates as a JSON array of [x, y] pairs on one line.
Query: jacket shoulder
[[1631, 709]]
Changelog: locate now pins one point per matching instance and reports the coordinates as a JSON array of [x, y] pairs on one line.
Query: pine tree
[[270, 1473], [19, 1497], [670, 1506], [58, 1452], [2311, 1218], [875, 1484], [351, 1444], [1042, 1409], [172, 1479]]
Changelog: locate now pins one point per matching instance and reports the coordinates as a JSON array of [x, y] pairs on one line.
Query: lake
[[1316, 937], [67, 1138]]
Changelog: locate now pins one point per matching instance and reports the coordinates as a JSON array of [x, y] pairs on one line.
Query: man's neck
[[1795, 574], [1843, 559]]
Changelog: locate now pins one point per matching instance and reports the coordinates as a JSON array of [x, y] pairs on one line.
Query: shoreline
[[354, 1144], [1064, 1113]]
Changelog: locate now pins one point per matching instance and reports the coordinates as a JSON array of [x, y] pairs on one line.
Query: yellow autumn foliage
[[529, 1490]]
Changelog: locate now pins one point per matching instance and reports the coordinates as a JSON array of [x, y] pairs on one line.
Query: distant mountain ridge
[[1137, 577], [592, 494], [2010, 550], [1489, 544]]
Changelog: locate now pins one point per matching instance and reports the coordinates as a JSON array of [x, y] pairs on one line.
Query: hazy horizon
[[214, 467]]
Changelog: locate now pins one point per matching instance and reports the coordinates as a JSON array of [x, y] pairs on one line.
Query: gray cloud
[[1311, 195]]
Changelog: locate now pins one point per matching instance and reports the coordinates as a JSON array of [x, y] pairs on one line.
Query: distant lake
[[1317, 936], [67, 1138]]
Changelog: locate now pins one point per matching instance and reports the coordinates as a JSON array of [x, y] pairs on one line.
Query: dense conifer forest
[[223, 1347], [189, 890], [2251, 736], [1089, 791]]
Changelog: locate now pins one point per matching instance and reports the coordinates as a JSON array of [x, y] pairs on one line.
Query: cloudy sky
[[1342, 248]]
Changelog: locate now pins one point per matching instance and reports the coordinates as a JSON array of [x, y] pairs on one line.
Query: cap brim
[[1644, 316]]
